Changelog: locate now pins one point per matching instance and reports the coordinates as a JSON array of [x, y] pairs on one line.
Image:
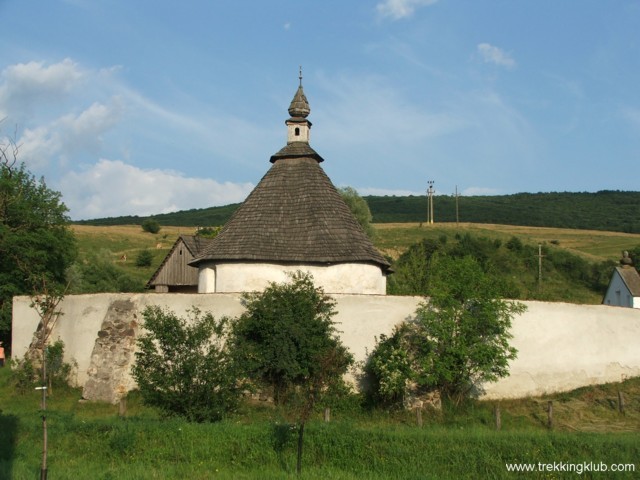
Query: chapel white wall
[[356, 278]]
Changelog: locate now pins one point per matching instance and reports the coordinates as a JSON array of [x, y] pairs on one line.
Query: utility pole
[[430, 202], [540, 265], [457, 213]]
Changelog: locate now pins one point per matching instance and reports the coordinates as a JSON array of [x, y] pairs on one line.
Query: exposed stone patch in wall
[[113, 352]]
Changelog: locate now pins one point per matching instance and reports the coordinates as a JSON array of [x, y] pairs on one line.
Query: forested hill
[[604, 210]]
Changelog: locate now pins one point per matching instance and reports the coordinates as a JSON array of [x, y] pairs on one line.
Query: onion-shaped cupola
[[298, 127]]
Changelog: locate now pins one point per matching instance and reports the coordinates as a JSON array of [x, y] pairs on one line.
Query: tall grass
[[89, 440]]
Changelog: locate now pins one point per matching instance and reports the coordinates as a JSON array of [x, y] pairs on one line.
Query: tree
[[287, 342], [459, 338], [359, 209], [46, 303], [35, 239], [411, 275], [183, 366]]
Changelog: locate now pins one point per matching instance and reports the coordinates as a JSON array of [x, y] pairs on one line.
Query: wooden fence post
[[550, 414], [621, 402], [496, 414], [122, 408], [419, 416], [327, 414]]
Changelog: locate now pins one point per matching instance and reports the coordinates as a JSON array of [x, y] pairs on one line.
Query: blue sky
[[142, 107]]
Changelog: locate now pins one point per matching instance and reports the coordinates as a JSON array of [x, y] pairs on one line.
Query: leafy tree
[[286, 341], [151, 226], [462, 333], [459, 338], [359, 209], [183, 366], [36, 242], [412, 269], [208, 232]]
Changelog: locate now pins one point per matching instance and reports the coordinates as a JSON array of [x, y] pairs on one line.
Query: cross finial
[[300, 75]]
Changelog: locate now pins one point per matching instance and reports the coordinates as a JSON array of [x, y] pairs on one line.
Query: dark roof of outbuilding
[[631, 278], [294, 214]]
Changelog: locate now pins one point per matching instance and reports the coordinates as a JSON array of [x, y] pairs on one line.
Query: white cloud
[[26, 85], [495, 55], [68, 135], [113, 188], [397, 9]]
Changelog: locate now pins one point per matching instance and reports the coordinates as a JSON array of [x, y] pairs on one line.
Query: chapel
[[294, 219]]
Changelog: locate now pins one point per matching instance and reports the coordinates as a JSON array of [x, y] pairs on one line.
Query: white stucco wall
[[564, 346], [561, 346], [339, 278], [207, 279]]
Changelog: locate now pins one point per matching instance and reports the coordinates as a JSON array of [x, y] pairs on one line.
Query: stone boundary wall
[[561, 346]]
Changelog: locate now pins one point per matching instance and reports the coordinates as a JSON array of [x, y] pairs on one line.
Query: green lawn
[[89, 440]]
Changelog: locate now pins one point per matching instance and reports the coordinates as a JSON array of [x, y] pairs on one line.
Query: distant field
[[595, 245], [392, 238], [118, 240]]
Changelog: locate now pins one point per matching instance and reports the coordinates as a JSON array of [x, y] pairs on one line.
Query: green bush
[[183, 366], [23, 375], [151, 226], [26, 374], [58, 371], [144, 258]]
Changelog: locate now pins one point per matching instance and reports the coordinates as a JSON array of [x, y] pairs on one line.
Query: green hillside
[[606, 210], [614, 211]]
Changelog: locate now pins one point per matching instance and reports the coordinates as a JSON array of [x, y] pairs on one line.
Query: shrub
[[23, 375], [150, 226], [144, 258], [26, 374], [389, 369], [458, 340], [208, 232], [183, 366], [58, 371]]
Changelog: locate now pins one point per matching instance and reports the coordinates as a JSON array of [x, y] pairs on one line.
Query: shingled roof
[[631, 278], [294, 215]]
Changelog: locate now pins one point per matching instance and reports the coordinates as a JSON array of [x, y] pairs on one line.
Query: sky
[[145, 107]]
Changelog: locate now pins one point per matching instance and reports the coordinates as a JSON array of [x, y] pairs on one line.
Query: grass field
[[394, 238], [112, 242], [88, 440], [129, 240], [391, 238]]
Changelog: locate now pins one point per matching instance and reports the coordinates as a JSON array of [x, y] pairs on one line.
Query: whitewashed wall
[[561, 346], [358, 278]]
